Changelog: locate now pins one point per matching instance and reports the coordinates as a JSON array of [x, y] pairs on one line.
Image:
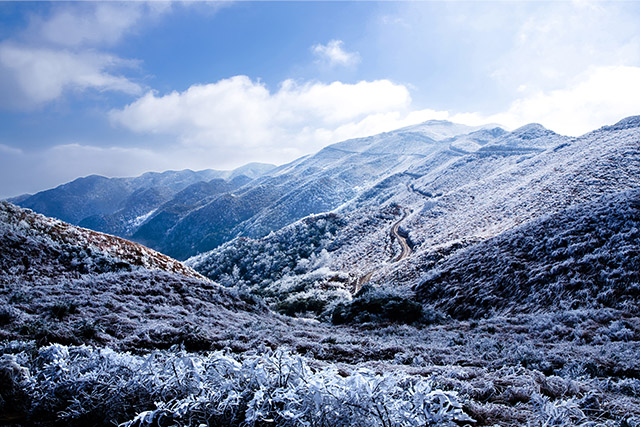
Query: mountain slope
[[153, 228], [585, 256], [480, 195], [72, 249], [60, 283]]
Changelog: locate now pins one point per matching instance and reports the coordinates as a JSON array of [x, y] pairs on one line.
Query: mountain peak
[[626, 123], [532, 131], [438, 122]]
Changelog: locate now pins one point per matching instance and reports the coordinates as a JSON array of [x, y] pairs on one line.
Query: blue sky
[[122, 88]]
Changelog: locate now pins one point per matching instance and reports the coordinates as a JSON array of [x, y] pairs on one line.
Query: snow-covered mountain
[[186, 213], [310, 185], [98, 195], [442, 201]]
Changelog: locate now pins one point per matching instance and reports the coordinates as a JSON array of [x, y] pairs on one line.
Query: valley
[[439, 274]]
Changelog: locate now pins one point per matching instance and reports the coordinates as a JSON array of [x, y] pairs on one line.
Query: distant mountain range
[[119, 206]]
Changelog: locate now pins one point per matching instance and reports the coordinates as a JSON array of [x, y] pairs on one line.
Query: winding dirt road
[[405, 251]]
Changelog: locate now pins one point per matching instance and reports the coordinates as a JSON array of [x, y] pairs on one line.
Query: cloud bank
[[243, 114]]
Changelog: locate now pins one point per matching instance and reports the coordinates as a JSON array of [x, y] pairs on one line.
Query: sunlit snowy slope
[[443, 201]]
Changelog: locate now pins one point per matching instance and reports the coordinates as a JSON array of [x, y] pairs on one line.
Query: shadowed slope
[[585, 256]]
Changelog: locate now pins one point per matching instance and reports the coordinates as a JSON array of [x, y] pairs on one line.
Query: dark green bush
[[62, 309], [378, 305], [6, 315]]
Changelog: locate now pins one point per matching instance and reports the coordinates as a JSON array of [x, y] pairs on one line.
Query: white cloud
[[34, 76], [241, 114], [89, 24], [333, 54], [61, 53]]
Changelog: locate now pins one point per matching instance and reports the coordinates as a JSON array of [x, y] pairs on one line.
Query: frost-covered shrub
[[7, 314], [280, 389], [620, 331], [559, 413], [296, 248], [316, 292], [14, 380], [83, 385], [315, 301], [61, 309]]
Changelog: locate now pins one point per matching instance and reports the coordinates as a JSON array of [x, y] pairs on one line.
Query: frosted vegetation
[[517, 306], [81, 383], [289, 269], [586, 256]]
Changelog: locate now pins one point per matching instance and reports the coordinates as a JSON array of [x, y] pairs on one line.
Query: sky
[[119, 89]]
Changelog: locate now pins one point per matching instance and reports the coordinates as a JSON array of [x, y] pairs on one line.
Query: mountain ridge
[[454, 200], [437, 174]]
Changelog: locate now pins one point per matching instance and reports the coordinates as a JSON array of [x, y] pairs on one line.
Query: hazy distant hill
[[98, 195], [120, 206]]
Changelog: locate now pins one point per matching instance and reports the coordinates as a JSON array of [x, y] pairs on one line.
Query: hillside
[[477, 196], [288, 267], [584, 257], [60, 283], [34, 244]]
